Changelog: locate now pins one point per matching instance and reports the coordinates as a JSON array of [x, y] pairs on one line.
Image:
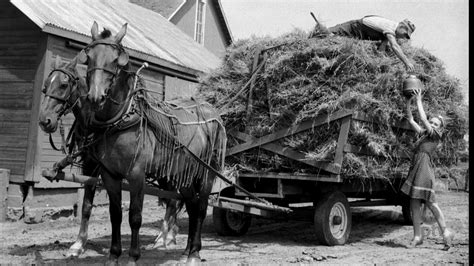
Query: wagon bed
[[327, 189]]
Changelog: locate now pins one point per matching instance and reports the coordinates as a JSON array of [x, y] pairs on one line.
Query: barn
[[35, 32]]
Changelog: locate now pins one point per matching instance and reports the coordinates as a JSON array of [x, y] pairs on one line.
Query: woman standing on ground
[[420, 181]]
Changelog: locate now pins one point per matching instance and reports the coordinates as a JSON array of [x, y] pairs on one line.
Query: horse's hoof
[[75, 252], [193, 260]]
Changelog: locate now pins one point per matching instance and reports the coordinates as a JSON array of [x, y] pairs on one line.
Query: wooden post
[[249, 108], [342, 141], [4, 180]]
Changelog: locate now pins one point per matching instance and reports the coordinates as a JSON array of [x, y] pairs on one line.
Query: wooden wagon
[[328, 190]]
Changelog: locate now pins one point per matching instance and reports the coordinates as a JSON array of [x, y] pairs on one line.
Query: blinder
[[64, 99], [122, 59]]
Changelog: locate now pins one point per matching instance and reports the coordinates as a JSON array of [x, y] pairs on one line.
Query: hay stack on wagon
[[303, 78]]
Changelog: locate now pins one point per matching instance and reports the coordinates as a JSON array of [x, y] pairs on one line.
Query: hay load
[[302, 78]]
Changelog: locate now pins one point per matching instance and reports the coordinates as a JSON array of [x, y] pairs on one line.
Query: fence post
[[4, 180]]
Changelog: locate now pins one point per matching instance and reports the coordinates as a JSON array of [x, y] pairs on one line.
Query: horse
[[138, 137], [65, 90]]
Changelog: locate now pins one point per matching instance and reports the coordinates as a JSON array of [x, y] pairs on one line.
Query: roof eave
[[219, 8], [177, 9], [84, 39]]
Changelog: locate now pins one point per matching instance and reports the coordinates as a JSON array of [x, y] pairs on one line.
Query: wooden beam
[[4, 181], [291, 154], [289, 176], [259, 205], [320, 120], [241, 208], [249, 108], [342, 141]]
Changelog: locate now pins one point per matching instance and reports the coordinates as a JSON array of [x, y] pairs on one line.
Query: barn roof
[[149, 37]]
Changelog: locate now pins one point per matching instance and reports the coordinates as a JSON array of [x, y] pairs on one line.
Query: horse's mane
[[106, 33]]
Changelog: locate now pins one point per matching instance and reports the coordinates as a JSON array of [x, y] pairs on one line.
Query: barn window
[[200, 15]]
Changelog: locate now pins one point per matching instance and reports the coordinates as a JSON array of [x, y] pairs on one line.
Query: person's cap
[[411, 27]]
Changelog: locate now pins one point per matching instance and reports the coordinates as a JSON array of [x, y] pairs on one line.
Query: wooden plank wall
[[19, 50]]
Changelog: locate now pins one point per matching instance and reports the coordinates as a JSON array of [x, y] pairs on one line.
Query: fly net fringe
[[182, 124]]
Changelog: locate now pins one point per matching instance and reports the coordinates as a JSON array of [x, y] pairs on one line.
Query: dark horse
[[138, 137], [65, 90]]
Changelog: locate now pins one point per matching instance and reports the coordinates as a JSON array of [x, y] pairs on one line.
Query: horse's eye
[[64, 86], [43, 90]]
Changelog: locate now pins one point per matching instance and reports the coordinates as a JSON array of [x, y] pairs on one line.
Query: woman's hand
[[417, 93]]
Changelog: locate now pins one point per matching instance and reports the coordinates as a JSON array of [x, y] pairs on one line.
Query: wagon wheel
[[332, 219], [230, 223]]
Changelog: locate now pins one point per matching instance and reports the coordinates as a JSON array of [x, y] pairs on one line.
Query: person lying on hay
[[420, 181], [373, 28]]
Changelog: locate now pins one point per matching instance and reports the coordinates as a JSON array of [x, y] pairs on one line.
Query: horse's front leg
[[135, 216], [78, 247], [114, 191]]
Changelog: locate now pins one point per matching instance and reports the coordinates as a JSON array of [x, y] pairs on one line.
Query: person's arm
[[412, 122], [398, 51], [421, 112]]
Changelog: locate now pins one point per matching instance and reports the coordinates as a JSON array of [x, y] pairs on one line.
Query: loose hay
[[303, 78]]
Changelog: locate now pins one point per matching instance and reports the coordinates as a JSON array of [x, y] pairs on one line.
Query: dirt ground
[[378, 237]]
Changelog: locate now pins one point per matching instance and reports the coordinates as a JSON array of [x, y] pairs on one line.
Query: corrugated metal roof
[[148, 32], [164, 7]]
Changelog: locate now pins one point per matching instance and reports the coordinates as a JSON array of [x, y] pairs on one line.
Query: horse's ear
[[82, 57], [95, 31], [73, 63], [57, 62], [122, 59], [121, 33]]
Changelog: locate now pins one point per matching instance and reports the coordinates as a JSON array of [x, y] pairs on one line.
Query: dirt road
[[378, 236]]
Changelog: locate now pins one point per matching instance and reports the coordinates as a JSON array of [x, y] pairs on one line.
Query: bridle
[[112, 72], [67, 105]]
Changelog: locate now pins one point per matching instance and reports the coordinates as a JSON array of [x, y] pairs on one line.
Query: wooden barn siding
[[214, 37], [20, 51], [57, 45]]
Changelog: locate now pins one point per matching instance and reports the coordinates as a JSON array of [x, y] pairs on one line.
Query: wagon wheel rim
[[338, 220], [235, 220]]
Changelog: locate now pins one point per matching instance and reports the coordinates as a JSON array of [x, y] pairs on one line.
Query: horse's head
[[60, 94], [104, 57]]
